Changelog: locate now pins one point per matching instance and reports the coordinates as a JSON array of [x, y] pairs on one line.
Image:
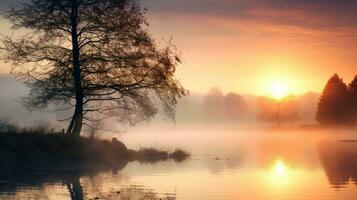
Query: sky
[[244, 46]]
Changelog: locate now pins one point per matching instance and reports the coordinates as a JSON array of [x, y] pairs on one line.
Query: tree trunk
[[277, 113], [75, 126]]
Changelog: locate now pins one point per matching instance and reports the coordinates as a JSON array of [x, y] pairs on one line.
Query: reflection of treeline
[[339, 160], [336, 105], [85, 182]]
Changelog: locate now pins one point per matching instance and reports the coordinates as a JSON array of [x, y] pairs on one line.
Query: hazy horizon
[[190, 109]]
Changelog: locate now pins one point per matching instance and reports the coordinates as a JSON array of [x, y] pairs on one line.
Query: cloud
[[303, 13], [318, 14]]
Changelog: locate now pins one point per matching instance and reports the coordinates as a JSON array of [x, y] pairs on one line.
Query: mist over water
[[227, 163]]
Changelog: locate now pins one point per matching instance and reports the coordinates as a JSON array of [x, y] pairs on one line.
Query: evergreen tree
[[333, 106], [353, 98]]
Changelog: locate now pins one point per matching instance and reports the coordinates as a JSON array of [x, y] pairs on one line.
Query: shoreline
[[42, 150]]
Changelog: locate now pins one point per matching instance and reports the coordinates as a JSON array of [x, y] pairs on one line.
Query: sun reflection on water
[[280, 167], [279, 173]]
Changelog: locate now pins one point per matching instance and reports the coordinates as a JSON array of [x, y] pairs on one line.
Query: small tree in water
[[95, 56]]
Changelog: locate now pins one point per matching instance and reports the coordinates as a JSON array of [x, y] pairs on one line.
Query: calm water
[[225, 164]]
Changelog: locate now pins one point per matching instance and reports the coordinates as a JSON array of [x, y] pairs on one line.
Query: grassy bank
[[37, 146], [152, 155]]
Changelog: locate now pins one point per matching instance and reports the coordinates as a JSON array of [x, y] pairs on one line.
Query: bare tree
[[94, 56], [277, 109]]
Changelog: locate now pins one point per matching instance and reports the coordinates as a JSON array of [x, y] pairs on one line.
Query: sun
[[278, 90]]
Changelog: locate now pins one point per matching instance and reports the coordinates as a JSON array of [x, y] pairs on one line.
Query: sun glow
[[278, 90], [279, 173]]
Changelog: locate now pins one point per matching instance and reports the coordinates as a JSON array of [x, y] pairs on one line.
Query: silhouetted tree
[[235, 106], [352, 89], [94, 55], [333, 107], [277, 110]]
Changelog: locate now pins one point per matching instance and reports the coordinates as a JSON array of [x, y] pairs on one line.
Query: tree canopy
[[335, 105], [94, 56]]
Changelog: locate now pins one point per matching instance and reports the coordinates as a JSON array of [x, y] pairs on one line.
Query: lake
[[226, 163]]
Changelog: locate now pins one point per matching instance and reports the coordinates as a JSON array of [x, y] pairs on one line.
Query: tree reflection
[[74, 187], [24, 182], [31, 178], [339, 160]]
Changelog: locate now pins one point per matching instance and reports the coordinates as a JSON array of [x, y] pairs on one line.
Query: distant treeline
[[337, 105], [219, 107]]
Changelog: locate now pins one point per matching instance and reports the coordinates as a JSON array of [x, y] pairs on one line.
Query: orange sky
[[243, 46], [246, 52]]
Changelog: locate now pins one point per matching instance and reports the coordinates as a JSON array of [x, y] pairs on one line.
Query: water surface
[[225, 164]]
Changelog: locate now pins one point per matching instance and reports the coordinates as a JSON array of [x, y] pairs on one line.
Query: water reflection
[[265, 167], [217, 165], [284, 156], [293, 152], [78, 184], [279, 173], [74, 187], [137, 192], [339, 160]]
